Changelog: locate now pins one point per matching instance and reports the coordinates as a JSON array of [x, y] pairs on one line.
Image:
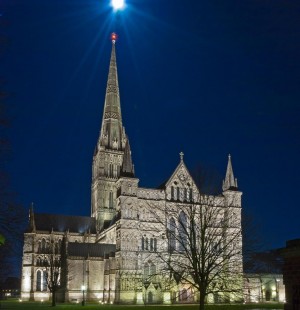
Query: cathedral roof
[[62, 223], [91, 249]]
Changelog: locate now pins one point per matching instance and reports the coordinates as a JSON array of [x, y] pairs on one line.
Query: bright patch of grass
[[13, 304]]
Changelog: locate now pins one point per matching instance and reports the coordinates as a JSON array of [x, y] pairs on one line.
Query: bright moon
[[117, 4]]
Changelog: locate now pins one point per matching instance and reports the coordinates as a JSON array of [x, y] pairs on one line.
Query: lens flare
[[117, 4]]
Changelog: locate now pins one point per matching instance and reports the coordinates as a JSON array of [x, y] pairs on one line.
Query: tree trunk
[[202, 300], [53, 299]]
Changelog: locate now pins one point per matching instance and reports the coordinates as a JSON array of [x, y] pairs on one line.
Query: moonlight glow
[[117, 4]]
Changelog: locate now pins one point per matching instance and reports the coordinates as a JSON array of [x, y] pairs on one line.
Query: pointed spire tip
[[114, 37], [181, 154], [230, 181]]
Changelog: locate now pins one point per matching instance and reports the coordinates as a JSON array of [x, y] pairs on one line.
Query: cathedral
[[115, 255]]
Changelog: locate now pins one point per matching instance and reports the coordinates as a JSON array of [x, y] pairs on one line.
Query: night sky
[[207, 78]]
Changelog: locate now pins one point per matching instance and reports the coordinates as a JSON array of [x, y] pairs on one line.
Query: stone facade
[[114, 256]]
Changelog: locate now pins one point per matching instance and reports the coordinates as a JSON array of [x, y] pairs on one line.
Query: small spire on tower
[[230, 182], [127, 166]]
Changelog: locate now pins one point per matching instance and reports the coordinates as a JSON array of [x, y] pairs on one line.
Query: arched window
[[146, 271], [151, 244], [150, 297], [185, 194], [39, 261], [152, 269], [143, 244], [147, 244], [191, 194], [45, 262], [155, 245], [178, 193], [111, 201], [39, 280], [172, 192], [43, 246], [111, 170], [172, 235], [182, 228], [44, 280]]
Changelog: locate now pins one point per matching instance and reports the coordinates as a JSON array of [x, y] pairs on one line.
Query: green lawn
[[13, 304]]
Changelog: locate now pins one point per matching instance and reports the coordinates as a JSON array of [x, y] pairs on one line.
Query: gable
[[181, 186]]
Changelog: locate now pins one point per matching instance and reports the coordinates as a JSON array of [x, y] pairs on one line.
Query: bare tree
[[203, 247], [54, 264]]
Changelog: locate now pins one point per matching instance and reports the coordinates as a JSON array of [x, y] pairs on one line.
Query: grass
[[14, 304]]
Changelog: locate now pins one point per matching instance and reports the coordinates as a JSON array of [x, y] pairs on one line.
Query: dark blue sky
[[204, 77]]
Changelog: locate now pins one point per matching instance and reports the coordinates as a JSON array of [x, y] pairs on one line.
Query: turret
[[230, 183]]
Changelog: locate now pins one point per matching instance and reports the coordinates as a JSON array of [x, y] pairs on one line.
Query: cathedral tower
[[110, 148]]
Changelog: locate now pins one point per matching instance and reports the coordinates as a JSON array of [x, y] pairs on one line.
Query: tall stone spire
[[127, 167], [230, 182], [111, 157], [112, 132]]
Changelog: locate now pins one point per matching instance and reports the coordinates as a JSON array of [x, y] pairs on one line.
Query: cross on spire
[[181, 154]]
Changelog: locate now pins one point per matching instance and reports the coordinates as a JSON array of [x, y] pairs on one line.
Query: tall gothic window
[[151, 244], [191, 194], [115, 171], [39, 280], [44, 280], [172, 235], [185, 194], [111, 203], [146, 271], [152, 269], [111, 170], [182, 223], [143, 244], [155, 245], [178, 193], [43, 246], [147, 244], [172, 192]]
